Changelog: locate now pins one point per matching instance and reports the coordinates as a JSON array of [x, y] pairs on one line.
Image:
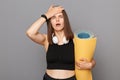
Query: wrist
[[44, 16], [90, 65]]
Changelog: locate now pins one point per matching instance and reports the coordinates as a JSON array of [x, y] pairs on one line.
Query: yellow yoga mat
[[84, 48]]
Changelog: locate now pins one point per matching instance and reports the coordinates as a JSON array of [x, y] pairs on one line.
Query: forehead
[[59, 14]]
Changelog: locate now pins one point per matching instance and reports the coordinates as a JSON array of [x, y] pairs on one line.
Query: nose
[[57, 19]]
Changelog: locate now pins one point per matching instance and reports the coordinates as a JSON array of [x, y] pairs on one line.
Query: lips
[[58, 24]]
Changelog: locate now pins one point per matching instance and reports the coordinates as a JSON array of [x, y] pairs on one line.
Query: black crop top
[[61, 56]]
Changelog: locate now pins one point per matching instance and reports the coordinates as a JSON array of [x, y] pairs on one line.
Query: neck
[[60, 35]]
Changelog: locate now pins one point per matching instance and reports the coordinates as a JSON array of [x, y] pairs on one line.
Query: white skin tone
[[57, 22]]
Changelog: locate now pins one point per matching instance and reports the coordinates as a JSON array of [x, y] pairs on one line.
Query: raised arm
[[33, 33]]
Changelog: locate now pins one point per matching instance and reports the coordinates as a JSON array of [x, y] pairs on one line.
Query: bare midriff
[[60, 74]]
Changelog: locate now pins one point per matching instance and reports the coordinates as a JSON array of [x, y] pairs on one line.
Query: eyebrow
[[60, 14]]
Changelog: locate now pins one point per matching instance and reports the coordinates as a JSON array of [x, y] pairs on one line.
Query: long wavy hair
[[67, 29]]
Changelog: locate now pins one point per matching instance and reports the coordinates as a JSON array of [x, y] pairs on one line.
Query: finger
[[61, 7], [56, 5], [52, 6], [83, 59], [77, 63], [78, 67]]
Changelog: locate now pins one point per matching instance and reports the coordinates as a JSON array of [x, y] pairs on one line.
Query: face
[[57, 22]]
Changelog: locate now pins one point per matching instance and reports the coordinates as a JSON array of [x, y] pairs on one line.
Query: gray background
[[22, 59]]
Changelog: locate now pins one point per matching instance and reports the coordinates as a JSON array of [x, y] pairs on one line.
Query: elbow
[[93, 63], [28, 34], [31, 35]]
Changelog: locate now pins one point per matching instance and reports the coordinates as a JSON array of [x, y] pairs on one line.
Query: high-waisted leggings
[[47, 77]]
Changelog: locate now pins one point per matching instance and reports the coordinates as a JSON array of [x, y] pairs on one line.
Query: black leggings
[[47, 77]]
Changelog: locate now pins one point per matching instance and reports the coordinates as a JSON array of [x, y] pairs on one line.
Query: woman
[[58, 43]]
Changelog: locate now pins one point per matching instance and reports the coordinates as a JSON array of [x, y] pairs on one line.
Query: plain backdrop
[[22, 59]]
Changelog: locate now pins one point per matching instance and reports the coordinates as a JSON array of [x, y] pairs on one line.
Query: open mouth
[[58, 24]]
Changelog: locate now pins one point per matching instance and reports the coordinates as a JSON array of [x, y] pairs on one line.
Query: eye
[[53, 17], [61, 16]]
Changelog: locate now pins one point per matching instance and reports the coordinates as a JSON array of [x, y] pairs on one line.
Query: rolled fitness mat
[[85, 44]]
